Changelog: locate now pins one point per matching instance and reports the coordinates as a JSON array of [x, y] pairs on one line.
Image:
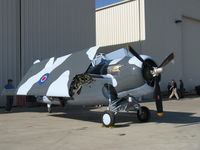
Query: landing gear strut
[[49, 108], [128, 103]]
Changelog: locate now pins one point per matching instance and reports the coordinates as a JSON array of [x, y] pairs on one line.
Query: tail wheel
[[49, 110], [144, 114], [108, 119]]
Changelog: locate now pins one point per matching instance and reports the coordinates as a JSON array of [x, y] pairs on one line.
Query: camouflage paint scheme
[[61, 72], [53, 77]]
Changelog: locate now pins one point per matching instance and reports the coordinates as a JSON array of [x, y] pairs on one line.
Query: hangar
[[39, 29], [35, 29], [155, 28]]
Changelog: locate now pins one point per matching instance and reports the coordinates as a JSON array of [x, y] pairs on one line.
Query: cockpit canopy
[[100, 63]]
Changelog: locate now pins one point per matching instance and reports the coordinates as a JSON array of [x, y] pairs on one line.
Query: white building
[[156, 28], [39, 29]]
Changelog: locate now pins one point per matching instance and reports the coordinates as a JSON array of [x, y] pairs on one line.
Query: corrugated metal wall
[[55, 28], [9, 43], [48, 28], [120, 23]]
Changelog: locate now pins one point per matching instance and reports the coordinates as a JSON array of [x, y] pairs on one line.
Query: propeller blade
[[167, 60], [158, 98], [135, 53]]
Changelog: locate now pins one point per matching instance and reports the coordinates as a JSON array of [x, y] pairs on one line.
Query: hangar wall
[[55, 28], [9, 43], [190, 51], [39, 29], [162, 35]]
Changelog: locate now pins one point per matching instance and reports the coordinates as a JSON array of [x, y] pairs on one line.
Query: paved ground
[[71, 129]]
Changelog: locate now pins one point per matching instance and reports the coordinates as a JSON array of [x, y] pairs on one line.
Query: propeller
[[135, 53], [167, 60], [158, 98], [155, 72]]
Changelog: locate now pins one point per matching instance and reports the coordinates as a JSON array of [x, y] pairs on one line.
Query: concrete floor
[[77, 128]]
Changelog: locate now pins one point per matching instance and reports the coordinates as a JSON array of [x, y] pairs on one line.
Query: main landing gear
[[128, 103]]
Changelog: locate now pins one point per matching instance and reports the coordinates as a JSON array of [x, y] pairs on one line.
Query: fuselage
[[120, 69], [124, 72]]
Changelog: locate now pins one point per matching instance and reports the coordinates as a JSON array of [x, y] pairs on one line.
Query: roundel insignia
[[44, 78]]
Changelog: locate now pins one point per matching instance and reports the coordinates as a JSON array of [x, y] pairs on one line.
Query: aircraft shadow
[[40, 109], [124, 119], [181, 118]]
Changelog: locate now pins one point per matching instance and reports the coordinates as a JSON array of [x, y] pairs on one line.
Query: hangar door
[[191, 52]]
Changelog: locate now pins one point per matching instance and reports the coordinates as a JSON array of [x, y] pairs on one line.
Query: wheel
[[49, 110], [144, 116], [108, 119]]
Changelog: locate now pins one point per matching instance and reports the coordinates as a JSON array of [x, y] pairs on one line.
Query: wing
[[52, 77]]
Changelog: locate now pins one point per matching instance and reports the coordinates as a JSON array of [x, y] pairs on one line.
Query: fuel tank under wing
[[52, 77]]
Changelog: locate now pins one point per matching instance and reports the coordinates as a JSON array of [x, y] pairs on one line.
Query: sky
[[101, 3]]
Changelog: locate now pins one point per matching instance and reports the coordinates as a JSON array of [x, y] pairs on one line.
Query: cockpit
[[101, 62]]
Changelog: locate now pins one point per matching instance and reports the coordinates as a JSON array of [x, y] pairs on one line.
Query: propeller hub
[[156, 71]]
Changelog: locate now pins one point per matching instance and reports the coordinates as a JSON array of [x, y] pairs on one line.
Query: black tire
[[197, 88], [144, 116], [108, 118]]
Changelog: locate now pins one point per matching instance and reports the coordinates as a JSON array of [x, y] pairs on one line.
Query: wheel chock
[[111, 127]]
